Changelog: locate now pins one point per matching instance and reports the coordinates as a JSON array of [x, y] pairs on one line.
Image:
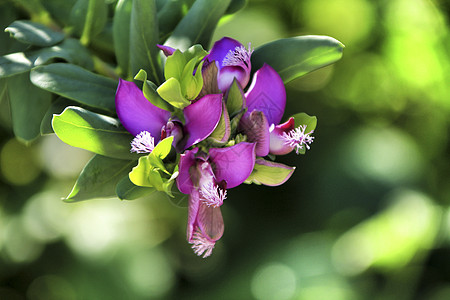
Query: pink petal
[[136, 113], [227, 74], [220, 49], [256, 128], [202, 118], [184, 179], [267, 94], [168, 51], [210, 221], [278, 144], [233, 164]]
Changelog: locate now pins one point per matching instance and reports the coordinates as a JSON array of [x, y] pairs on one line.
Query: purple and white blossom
[[205, 177], [137, 114]]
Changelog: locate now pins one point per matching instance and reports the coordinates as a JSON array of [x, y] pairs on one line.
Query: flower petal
[[227, 74], [210, 221], [184, 179], [194, 202], [168, 51], [233, 164], [267, 94], [220, 49], [256, 128], [202, 118], [136, 113], [278, 145]]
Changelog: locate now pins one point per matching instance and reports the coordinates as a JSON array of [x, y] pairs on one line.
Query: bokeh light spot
[[17, 163], [383, 154], [274, 281]]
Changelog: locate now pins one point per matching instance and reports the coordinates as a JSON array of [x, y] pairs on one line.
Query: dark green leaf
[[28, 106], [76, 83], [235, 6], [170, 15], [143, 40], [70, 50], [32, 33], [59, 10], [235, 98], [126, 190], [56, 107], [89, 18], [305, 119], [121, 34], [269, 173], [99, 178], [97, 133], [198, 26], [297, 56]]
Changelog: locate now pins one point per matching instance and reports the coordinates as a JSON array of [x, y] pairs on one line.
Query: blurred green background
[[365, 216]]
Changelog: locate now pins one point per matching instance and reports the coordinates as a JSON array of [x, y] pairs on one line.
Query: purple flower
[[266, 102], [232, 60], [205, 177], [149, 123]]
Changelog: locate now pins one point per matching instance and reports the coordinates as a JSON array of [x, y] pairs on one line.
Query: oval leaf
[[70, 50], [297, 56], [126, 190], [32, 33], [28, 106], [97, 133], [76, 83], [269, 173], [143, 40], [121, 35], [99, 178], [198, 26]]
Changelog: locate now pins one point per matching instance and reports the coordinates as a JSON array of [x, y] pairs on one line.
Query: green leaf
[[175, 65], [162, 149], [147, 172], [121, 34], [149, 90], [56, 107], [89, 18], [34, 33], [126, 190], [171, 92], [97, 133], [143, 39], [198, 26], [59, 10], [297, 56], [70, 50], [191, 85], [170, 14], [28, 106], [144, 174], [99, 178], [235, 98], [222, 132], [305, 119], [269, 173], [76, 83], [235, 6]]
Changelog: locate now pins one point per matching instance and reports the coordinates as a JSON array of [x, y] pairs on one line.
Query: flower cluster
[[222, 132]]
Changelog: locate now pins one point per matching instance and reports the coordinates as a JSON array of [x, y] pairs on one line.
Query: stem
[[86, 35], [37, 13], [103, 68]]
